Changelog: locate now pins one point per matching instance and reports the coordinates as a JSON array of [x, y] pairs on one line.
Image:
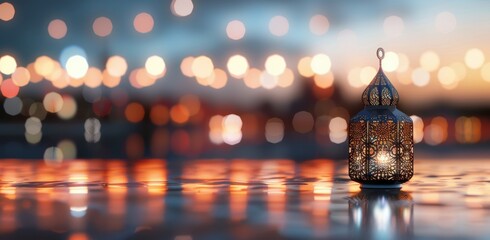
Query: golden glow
[[93, 78], [235, 30], [57, 29], [403, 63], [109, 80], [181, 8], [275, 65], [447, 77], [324, 81], [436, 133], [155, 65], [44, 65], [202, 67], [485, 72], [186, 66], [390, 62], [286, 79], [53, 102], [102, 26], [219, 79], [116, 66], [338, 130], [143, 23], [474, 58], [7, 11], [237, 66], [319, 25], [21, 76], [429, 61], [279, 26], [304, 67], [69, 108], [420, 77], [468, 129], [252, 78], [76, 66], [418, 129], [367, 74], [7, 64], [321, 64]]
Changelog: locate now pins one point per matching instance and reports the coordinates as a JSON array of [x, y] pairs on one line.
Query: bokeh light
[[324, 81], [286, 79], [474, 58], [76, 66], [321, 64], [57, 29], [93, 78], [102, 26], [252, 78], [202, 67], [7, 11], [33, 125], [429, 61], [303, 122], [53, 102], [235, 30], [12, 106], [447, 77], [219, 79], [232, 129], [159, 114], [9, 89], [179, 114], [485, 72], [155, 65], [418, 128], [338, 130], [7, 64], [275, 65], [143, 23], [304, 67], [279, 26], [268, 81], [390, 62], [21, 76], [319, 24], [116, 66], [134, 112], [274, 130], [420, 77], [237, 66], [182, 8], [186, 66], [69, 108]]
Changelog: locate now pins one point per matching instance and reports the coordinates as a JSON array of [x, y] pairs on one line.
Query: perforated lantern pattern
[[380, 136]]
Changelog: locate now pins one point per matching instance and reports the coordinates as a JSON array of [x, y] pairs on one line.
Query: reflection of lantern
[[381, 214], [380, 137]]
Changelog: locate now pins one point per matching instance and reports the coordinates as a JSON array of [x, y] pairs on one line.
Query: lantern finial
[[380, 92]]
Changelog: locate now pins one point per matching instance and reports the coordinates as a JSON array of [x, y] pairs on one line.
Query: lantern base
[[381, 186]]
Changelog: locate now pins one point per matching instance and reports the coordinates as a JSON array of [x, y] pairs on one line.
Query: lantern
[[380, 137]]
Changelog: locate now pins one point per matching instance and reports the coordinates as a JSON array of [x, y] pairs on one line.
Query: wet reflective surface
[[238, 199]]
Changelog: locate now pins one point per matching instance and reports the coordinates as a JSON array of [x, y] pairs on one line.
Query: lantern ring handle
[[380, 53]]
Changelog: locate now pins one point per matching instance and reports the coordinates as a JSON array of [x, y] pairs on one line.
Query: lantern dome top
[[380, 92]]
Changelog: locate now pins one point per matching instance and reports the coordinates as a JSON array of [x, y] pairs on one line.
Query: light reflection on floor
[[239, 198]]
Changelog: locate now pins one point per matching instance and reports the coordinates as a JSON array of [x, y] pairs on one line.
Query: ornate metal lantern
[[380, 137]]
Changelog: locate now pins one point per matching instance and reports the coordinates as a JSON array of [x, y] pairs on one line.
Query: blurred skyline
[[349, 37]]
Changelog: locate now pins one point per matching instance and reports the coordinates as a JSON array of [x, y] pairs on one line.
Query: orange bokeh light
[[179, 114], [102, 26], [143, 23], [57, 29], [9, 89], [134, 112], [7, 11], [159, 114]]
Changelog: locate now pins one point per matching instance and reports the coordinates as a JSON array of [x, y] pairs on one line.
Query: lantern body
[[380, 137]]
